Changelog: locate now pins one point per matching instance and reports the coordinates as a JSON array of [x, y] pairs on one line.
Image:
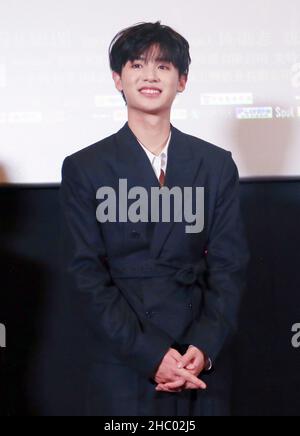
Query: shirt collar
[[152, 156]]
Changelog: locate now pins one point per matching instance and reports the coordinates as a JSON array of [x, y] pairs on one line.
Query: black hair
[[130, 43]]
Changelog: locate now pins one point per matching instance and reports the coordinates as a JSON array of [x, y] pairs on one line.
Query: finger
[[189, 385], [174, 385], [195, 364], [201, 385], [177, 356], [198, 361], [191, 378], [186, 359], [185, 386], [191, 366]]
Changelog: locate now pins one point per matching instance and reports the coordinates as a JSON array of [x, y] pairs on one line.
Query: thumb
[[185, 359], [191, 366]]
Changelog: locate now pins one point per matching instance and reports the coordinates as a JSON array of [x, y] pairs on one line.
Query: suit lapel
[[133, 164]]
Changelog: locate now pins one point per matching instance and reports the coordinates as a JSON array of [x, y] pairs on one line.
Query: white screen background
[[57, 94]]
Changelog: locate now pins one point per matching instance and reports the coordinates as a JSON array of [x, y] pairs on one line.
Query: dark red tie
[[162, 178]]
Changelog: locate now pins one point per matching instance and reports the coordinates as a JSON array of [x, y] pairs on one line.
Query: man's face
[[150, 86]]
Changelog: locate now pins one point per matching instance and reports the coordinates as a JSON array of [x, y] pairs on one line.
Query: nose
[[150, 73]]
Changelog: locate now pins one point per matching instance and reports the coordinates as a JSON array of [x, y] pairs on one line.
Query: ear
[[118, 81], [182, 82]]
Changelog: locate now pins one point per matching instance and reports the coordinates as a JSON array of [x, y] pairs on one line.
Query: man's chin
[[148, 109]]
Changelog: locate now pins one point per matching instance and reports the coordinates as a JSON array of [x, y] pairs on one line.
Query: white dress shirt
[[158, 162]]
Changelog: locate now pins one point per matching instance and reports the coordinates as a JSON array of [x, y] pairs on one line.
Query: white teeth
[[150, 91]]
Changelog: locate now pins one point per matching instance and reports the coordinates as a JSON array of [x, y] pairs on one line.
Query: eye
[[164, 66], [136, 65]]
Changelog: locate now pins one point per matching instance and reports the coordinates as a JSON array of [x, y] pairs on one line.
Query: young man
[[161, 302]]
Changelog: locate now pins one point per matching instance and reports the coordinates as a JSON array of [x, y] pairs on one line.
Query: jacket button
[[190, 306]]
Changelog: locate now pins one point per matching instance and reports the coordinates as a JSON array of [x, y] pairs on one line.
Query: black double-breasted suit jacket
[[149, 286]]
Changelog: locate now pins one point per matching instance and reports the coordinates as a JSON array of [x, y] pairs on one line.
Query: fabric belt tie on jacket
[[185, 274]]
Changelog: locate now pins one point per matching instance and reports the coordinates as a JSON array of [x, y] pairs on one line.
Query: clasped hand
[[177, 372]]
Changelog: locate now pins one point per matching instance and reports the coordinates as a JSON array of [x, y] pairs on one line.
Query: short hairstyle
[[130, 43]]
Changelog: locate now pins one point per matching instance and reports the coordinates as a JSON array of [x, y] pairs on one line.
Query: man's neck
[[151, 130]]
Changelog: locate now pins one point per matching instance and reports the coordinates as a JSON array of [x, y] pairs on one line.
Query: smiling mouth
[[150, 92]]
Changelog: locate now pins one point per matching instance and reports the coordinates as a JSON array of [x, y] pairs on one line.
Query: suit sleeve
[[137, 343], [227, 262]]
